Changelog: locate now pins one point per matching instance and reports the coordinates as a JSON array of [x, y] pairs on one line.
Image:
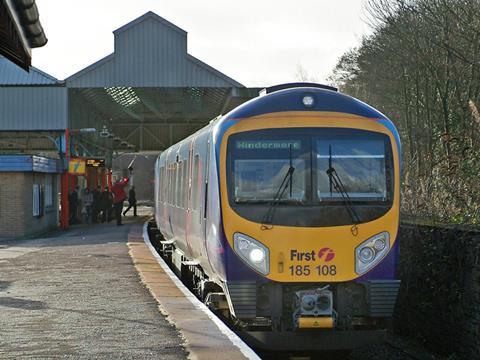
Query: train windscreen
[[310, 168]]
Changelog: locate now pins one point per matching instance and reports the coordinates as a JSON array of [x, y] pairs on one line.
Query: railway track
[[388, 350]]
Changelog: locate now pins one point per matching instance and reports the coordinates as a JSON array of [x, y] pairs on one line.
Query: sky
[[256, 42]]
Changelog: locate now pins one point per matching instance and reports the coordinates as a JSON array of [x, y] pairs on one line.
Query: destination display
[[268, 144], [95, 162]]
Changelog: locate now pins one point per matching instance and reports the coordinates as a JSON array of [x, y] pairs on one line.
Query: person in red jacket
[[119, 196]]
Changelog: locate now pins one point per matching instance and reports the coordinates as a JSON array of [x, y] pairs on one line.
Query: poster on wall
[[76, 166]]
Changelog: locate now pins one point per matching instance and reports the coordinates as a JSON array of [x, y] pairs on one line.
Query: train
[[283, 215]]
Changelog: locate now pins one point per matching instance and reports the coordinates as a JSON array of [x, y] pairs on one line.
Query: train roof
[[292, 99]]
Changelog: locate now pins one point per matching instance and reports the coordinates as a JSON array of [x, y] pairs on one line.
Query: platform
[[78, 294]]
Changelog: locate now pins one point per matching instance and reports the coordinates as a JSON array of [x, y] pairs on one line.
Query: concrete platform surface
[[77, 294], [206, 337]]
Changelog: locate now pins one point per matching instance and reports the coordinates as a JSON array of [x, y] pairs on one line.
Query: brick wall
[[12, 204], [16, 205], [439, 301]]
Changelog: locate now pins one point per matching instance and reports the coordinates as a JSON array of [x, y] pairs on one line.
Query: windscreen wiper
[[287, 180], [268, 217], [340, 188]]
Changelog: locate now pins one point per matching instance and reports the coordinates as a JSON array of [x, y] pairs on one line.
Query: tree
[[421, 68]]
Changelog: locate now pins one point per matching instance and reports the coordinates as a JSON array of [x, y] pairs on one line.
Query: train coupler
[[313, 309]]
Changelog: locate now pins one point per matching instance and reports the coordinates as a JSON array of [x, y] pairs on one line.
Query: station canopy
[[150, 93], [20, 31]]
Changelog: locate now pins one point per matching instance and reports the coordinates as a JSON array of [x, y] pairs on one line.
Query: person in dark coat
[[105, 203], [96, 206], [73, 205], [132, 201], [119, 197]]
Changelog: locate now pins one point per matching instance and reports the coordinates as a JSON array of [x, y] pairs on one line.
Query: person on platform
[[119, 197], [87, 204], [105, 203], [73, 205], [132, 202], [96, 204]]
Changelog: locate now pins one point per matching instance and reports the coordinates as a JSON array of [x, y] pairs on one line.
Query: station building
[[145, 96], [29, 187]]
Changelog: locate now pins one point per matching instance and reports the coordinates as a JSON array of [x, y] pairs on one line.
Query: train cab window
[[262, 165], [290, 169], [358, 162]]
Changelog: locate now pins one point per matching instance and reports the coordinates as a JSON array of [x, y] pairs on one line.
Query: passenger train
[[283, 215]]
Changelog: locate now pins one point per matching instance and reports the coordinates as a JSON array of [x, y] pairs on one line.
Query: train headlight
[[257, 256], [308, 100], [254, 253], [371, 252], [366, 254]]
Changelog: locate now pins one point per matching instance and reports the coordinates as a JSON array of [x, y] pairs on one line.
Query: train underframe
[[293, 316], [313, 316]]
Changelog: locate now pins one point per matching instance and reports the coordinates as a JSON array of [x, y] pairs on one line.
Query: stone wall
[[439, 300]]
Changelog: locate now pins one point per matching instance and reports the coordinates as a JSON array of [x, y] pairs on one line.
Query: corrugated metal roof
[[154, 16], [33, 108], [29, 163], [10, 74], [150, 52]]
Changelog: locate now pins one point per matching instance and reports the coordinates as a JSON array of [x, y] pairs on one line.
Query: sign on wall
[[76, 166], [95, 162]]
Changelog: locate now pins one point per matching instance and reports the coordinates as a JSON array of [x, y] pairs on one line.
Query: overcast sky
[[256, 42]]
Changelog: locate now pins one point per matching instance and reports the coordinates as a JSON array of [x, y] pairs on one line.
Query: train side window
[[167, 185], [195, 185], [182, 184], [160, 186], [185, 184], [164, 186], [170, 186], [178, 170]]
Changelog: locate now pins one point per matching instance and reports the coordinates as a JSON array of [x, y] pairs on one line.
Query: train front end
[[309, 183]]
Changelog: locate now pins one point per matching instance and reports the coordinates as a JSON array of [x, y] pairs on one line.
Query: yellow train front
[[284, 213], [309, 188]]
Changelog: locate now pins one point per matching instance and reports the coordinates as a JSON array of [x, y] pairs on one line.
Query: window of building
[[48, 190], [38, 200]]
